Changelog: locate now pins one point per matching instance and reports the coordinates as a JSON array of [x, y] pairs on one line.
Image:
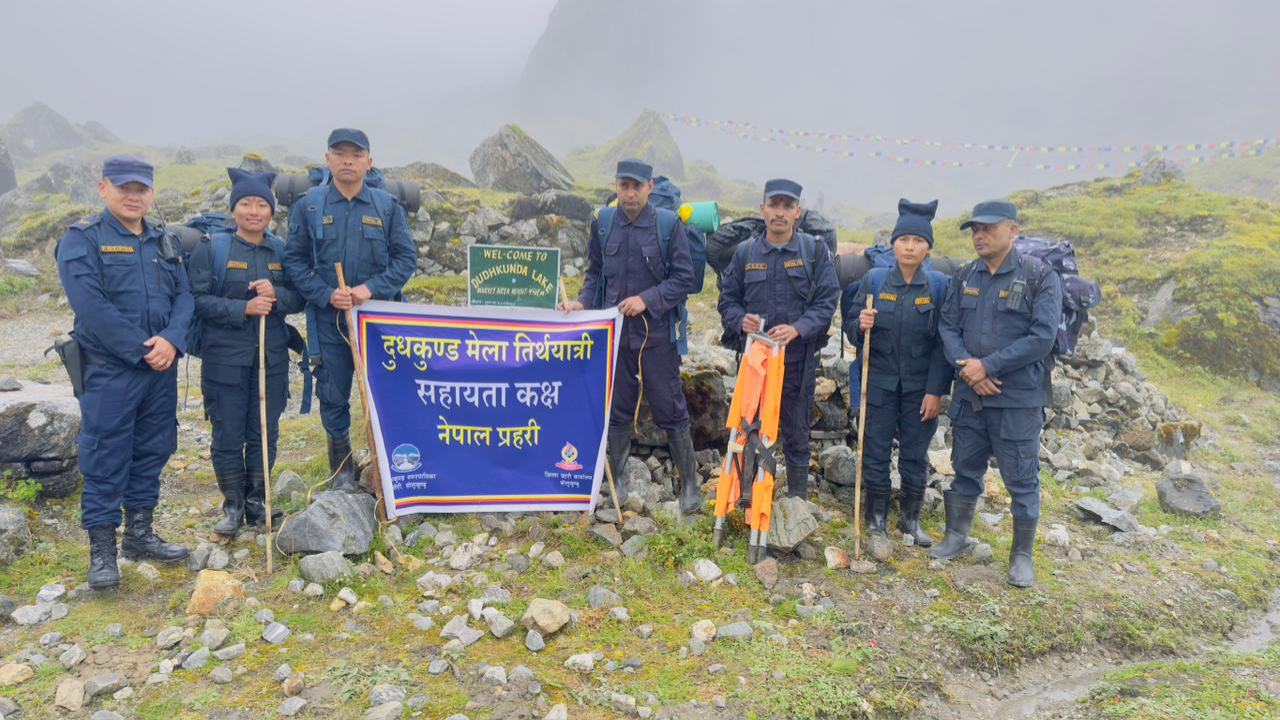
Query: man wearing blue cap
[[639, 261], [908, 374], [237, 277], [126, 283], [784, 284], [998, 328], [345, 220]]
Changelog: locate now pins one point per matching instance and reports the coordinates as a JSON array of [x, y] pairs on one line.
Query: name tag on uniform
[[888, 297], [924, 301], [236, 265], [326, 220], [793, 263], [972, 291], [757, 266], [369, 220], [1004, 294], [116, 249], [275, 266]]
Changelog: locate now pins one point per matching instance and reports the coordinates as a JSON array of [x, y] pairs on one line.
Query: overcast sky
[[173, 71], [430, 79]]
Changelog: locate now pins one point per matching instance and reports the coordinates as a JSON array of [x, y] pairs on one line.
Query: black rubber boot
[[104, 574], [232, 489], [798, 480], [877, 519], [618, 451], [1022, 564], [340, 456], [959, 519], [140, 541], [255, 503], [681, 446], [909, 517]]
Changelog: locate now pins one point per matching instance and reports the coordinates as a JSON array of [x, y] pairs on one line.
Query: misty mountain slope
[[1192, 275], [1257, 177]]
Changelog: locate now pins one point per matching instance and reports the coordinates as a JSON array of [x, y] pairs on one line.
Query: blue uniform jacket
[[774, 281], [1015, 343], [122, 289], [633, 263], [373, 252], [230, 337], [906, 350]]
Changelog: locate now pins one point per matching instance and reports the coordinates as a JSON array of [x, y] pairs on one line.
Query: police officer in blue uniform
[[784, 284], [125, 281], [647, 278], [908, 374], [998, 328], [230, 301], [365, 228]]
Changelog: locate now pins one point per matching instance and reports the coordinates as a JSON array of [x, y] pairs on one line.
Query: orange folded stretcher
[[748, 476]]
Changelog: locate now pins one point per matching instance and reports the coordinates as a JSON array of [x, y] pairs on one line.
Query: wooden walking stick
[[862, 433], [262, 414], [608, 471], [364, 393]]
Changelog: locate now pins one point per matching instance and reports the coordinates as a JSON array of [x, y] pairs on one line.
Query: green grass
[[1228, 686]]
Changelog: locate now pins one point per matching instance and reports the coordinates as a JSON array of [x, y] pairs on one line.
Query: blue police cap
[[637, 170], [121, 169], [778, 186], [349, 135], [990, 213]]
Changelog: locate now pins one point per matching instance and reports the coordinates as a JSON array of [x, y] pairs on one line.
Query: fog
[[428, 80]]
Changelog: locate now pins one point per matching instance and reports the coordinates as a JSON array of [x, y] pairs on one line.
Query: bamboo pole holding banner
[[364, 395], [608, 471], [862, 434], [266, 441]]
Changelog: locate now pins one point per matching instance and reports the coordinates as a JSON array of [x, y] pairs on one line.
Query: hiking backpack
[[666, 201], [1078, 295], [732, 337]]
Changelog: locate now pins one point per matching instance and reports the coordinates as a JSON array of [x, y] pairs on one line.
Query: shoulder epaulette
[[87, 222]]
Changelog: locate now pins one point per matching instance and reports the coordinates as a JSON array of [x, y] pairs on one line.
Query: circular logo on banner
[[569, 458], [405, 458]]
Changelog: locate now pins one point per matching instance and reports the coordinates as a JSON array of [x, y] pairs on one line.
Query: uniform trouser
[[797, 404], [659, 368], [128, 431], [333, 387], [231, 402], [890, 414], [1013, 436]]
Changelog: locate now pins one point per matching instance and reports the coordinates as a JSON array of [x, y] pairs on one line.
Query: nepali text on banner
[[488, 409]]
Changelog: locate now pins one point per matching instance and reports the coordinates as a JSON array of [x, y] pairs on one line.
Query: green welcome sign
[[504, 276]]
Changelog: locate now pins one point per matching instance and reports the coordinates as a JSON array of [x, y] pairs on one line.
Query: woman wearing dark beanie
[[908, 374], [237, 276]]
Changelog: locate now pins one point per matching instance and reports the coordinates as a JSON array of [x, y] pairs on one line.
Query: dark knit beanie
[[915, 219], [245, 184]]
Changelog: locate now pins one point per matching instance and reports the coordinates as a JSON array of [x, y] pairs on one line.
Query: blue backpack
[[874, 280], [666, 196], [667, 220]]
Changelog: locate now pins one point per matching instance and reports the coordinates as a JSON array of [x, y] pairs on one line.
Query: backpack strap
[[315, 199], [937, 293], [680, 317], [874, 279], [220, 245], [666, 227], [604, 227]]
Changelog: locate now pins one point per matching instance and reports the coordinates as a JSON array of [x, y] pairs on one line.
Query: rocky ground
[[1156, 562], [556, 615]]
